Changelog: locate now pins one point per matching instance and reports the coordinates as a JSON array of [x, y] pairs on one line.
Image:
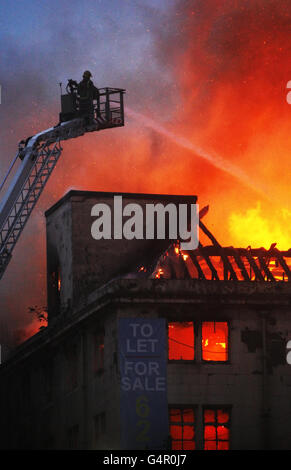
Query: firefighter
[[87, 93]]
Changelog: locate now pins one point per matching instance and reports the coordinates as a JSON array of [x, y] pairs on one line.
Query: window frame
[[198, 345], [72, 369], [73, 436], [48, 374], [195, 336], [97, 334], [183, 407], [99, 420], [206, 361], [227, 408]]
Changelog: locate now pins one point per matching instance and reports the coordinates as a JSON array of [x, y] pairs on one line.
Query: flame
[[259, 229], [214, 346], [159, 274], [227, 140]]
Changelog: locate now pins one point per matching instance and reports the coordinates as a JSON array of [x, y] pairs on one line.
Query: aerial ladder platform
[[37, 156]]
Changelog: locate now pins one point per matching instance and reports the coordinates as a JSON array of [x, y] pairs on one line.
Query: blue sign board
[[143, 383]]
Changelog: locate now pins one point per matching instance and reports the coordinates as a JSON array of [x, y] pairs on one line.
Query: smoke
[[209, 75], [39, 49], [231, 61], [216, 160]]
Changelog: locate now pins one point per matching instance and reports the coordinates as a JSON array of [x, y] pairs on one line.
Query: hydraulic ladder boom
[[38, 157]]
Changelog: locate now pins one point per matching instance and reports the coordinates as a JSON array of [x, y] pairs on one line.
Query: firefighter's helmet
[[87, 74]]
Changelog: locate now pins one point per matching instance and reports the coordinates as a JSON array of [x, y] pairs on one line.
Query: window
[[54, 288], [72, 367], [182, 428], [214, 341], [99, 352], [216, 429], [48, 443], [99, 428], [181, 341], [26, 389], [48, 380], [73, 435]]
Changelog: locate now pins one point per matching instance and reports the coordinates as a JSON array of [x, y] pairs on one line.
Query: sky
[[206, 114]]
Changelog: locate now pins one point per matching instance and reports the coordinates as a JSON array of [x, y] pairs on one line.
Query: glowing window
[[214, 341], [181, 341], [182, 428], [216, 429]]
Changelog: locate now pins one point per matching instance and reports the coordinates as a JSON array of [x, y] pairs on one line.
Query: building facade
[[228, 382]]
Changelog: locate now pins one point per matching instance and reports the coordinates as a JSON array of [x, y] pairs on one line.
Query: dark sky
[[211, 76], [42, 44]]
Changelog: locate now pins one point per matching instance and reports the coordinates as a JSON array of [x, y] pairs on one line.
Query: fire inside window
[[59, 282], [56, 279], [216, 429], [214, 341], [182, 428], [181, 341]]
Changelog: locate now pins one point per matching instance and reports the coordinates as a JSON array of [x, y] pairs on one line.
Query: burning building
[[150, 346]]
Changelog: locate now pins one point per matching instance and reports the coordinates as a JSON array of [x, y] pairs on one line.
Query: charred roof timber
[[215, 262], [95, 266], [224, 264]]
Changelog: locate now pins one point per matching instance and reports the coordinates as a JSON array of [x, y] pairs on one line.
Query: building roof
[[178, 198]]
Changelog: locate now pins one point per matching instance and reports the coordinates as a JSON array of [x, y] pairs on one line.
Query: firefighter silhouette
[[87, 93]]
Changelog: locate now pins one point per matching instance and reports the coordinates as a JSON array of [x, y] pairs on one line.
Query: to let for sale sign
[[143, 393]]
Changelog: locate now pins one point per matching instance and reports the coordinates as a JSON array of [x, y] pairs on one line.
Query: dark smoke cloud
[[215, 71], [39, 49], [232, 61], [239, 44]]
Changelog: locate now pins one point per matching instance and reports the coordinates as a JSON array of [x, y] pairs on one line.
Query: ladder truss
[[46, 158]]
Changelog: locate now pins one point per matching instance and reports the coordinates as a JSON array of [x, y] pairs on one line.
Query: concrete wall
[[254, 383], [59, 259], [259, 403], [31, 420], [86, 264]]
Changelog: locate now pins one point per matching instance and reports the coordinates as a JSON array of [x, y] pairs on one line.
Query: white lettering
[[133, 227], [135, 221], [103, 222]]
